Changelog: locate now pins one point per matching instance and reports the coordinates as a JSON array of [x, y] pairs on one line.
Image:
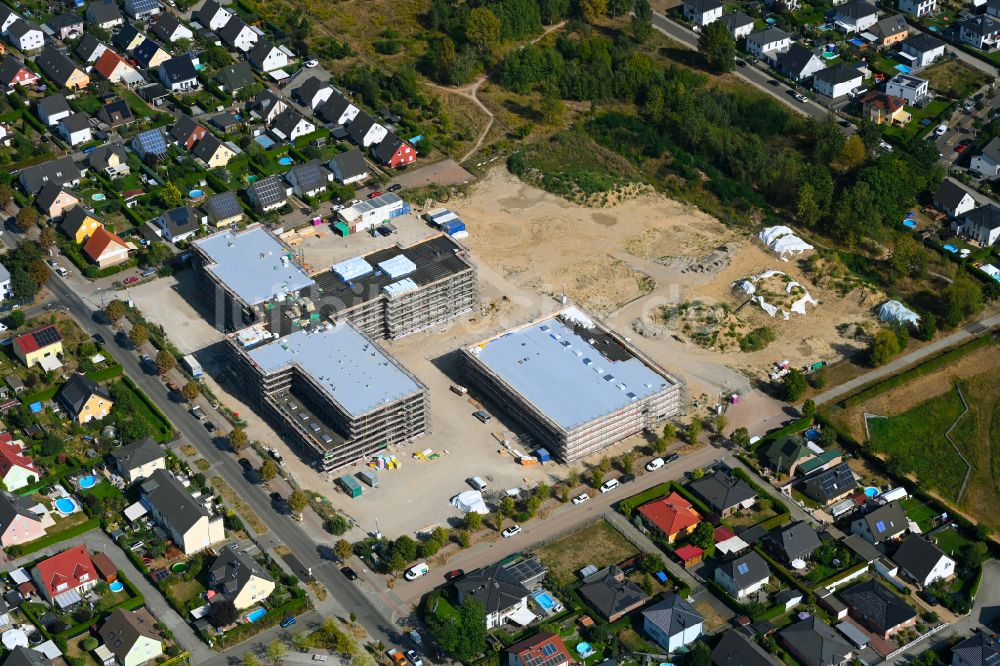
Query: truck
[[192, 365], [350, 485], [416, 571]]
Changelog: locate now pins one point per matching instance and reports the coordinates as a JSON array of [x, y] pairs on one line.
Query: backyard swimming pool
[[285, 161], [179, 567], [829, 55], [98, 196], [909, 224], [87, 482], [196, 194], [903, 68], [265, 141], [544, 600], [116, 586], [256, 614], [951, 248], [871, 491], [66, 505]]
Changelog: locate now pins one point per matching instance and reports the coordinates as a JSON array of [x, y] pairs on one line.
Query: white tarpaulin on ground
[[894, 312], [470, 501], [749, 287], [783, 242]]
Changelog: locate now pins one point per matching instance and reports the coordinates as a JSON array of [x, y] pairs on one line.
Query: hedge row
[[779, 570], [790, 429], [102, 375], [166, 427], [843, 574]]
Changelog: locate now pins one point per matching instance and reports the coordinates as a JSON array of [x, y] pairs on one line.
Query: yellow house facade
[[80, 224], [42, 346]]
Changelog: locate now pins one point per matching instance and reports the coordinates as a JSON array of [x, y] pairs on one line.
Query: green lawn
[[950, 541], [913, 129], [919, 512], [103, 490]]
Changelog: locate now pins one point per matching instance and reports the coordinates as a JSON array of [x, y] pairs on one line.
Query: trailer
[[368, 477], [350, 486], [192, 365]]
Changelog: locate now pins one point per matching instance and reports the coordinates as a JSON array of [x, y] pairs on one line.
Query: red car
[[130, 280], [960, 148], [374, 194], [452, 575]]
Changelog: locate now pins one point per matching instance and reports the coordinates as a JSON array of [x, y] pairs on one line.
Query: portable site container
[[350, 486], [442, 219], [435, 212], [342, 229], [543, 455], [453, 227], [369, 477]]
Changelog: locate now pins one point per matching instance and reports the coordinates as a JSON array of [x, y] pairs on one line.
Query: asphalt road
[[372, 612]]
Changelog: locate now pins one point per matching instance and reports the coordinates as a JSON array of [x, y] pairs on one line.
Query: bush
[[89, 643], [757, 339]]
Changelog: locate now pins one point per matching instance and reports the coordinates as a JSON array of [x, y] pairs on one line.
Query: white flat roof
[[352, 370], [253, 264]]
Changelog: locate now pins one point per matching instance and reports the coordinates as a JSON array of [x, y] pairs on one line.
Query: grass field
[[950, 541], [954, 78], [599, 544], [236, 503], [918, 512]]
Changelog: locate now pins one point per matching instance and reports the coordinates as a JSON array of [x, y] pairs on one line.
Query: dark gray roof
[[152, 92], [180, 220], [265, 101], [992, 149], [268, 190], [723, 491], [949, 194], [114, 113], [259, 52], [795, 59], [861, 547], [980, 649], [815, 643], [351, 164], [877, 606], [22, 656], [788, 594], [917, 556], [923, 42], [21, 27], [359, 127], [223, 206], [124, 36], [735, 19], [137, 454], [702, 6], [9, 67], [287, 121], [985, 216], [206, 147], [53, 105], [981, 25], [178, 69], [103, 11], [746, 569], [73, 219], [55, 65], [88, 44], [831, 483], [48, 195], [12, 506], [736, 649], [62, 170], [224, 121], [797, 540], [331, 110], [305, 92], [144, 53], [183, 128], [886, 521], [75, 393], [172, 500], [857, 9], [76, 122], [229, 32], [612, 593], [233, 569], [491, 586], [206, 13], [839, 73], [768, 35], [236, 76], [309, 176], [891, 25], [65, 21], [384, 151], [165, 26], [672, 615]]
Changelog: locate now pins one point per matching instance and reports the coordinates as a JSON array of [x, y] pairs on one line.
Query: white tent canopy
[[783, 242], [470, 501], [894, 312]]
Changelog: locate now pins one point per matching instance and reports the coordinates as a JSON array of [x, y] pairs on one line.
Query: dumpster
[[350, 486], [543, 455]]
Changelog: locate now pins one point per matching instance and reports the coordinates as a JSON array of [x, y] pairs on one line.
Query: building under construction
[[332, 390], [575, 385]]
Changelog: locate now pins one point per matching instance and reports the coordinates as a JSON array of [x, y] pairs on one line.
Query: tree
[[642, 20], [170, 195], [165, 361], [138, 335], [852, 154], [740, 438], [276, 651], [884, 346], [720, 423], [114, 310], [268, 470], [250, 659], [222, 613], [794, 385], [343, 549], [464, 636], [700, 655], [6, 195], [89, 643], [703, 535], [26, 218], [596, 477], [694, 431], [16, 319], [593, 9], [482, 29], [507, 507], [808, 407], [190, 390], [337, 525], [473, 521], [718, 47], [47, 237], [237, 439], [298, 500], [964, 298], [626, 461]]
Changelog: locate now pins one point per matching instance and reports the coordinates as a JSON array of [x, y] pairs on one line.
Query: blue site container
[[543, 455], [452, 227]]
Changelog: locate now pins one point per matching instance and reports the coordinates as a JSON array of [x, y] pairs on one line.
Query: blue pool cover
[[903, 68]]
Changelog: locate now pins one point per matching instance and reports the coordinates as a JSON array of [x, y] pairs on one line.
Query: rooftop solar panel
[[46, 336], [137, 6], [223, 206], [270, 190], [153, 141], [742, 568]]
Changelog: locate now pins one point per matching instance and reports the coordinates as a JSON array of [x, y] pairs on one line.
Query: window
[[742, 568]]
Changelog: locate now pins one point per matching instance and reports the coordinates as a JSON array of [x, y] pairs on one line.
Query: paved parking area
[[445, 172]]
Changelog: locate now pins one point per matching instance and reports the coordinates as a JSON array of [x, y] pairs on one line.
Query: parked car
[[801, 98], [349, 573], [672, 457], [287, 622], [311, 63], [482, 416], [98, 338], [961, 148], [581, 498], [414, 658], [654, 464], [395, 187], [608, 486], [132, 279], [376, 193], [513, 530], [454, 574], [940, 129], [626, 478]]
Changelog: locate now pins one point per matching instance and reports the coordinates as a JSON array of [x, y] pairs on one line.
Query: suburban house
[[337, 110], [61, 70], [831, 484], [62, 578], [7, 18], [268, 106], [75, 128], [17, 468], [39, 346], [980, 649], [364, 131], [923, 49], [837, 81], [169, 29], [106, 249], [25, 35], [349, 167], [725, 493], [918, 7], [744, 575], [883, 109], [213, 152], [393, 152], [80, 223], [911, 88], [67, 26], [786, 454], [739, 24], [104, 14], [178, 74], [672, 622], [671, 516], [313, 92], [190, 525], [879, 609], [149, 54], [131, 636], [795, 541], [885, 523], [7, 292], [237, 35], [702, 12], [987, 162], [799, 63], [290, 125], [267, 193], [922, 561], [109, 159], [89, 49], [979, 31], [186, 132], [128, 38], [611, 594], [19, 523], [84, 399], [267, 57], [768, 43], [14, 73], [25, 656], [116, 69], [235, 77], [890, 30], [982, 224], [239, 578], [138, 460], [179, 224], [856, 16], [212, 16], [736, 649], [814, 643], [54, 200], [308, 180], [503, 596], [953, 199], [52, 109], [542, 649], [142, 9], [223, 209], [114, 114]]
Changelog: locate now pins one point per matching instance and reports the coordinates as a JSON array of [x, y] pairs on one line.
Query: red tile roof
[[99, 242], [31, 341], [66, 571], [888, 103], [671, 514], [533, 648], [107, 63], [688, 553], [11, 455], [723, 533]]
